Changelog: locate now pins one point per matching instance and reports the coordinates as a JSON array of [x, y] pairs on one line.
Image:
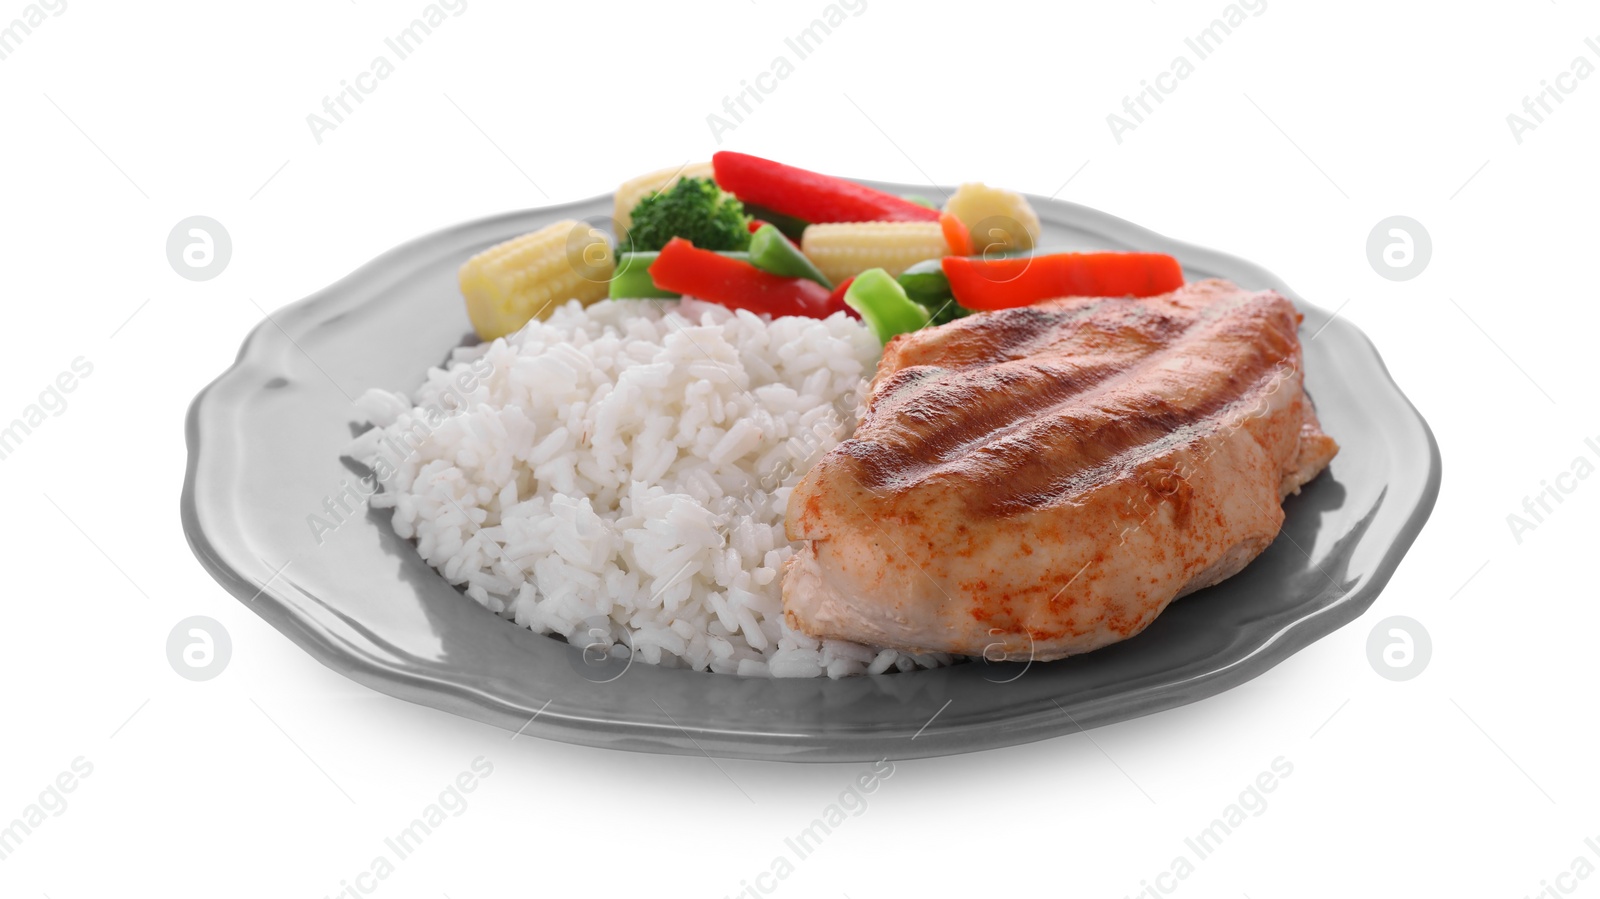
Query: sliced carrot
[[956, 234]]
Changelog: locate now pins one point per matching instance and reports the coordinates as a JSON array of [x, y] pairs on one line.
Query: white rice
[[618, 475]]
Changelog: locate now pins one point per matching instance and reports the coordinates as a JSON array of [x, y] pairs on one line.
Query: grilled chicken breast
[[1043, 481]]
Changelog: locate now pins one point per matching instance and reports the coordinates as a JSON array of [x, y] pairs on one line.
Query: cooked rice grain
[[618, 475]]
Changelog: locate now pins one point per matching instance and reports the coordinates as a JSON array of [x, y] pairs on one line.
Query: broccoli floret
[[695, 209]]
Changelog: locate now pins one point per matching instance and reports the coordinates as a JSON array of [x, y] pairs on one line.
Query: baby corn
[[527, 277], [846, 249]]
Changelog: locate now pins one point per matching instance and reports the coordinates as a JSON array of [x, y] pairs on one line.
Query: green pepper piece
[[771, 252], [925, 283], [791, 227], [883, 305]]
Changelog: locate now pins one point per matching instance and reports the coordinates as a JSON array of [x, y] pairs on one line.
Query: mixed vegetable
[[695, 209], [988, 284], [808, 196], [884, 306], [682, 267], [754, 234]]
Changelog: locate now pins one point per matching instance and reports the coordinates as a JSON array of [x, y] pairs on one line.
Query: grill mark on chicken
[[950, 417], [1019, 417], [1107, 449]]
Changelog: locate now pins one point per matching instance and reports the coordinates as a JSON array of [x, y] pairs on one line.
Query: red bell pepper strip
[[956, 235], [989, 284], [755, 225], [810, 196], [683, 268], [836, 301]]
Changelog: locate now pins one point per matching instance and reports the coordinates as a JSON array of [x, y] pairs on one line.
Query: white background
[[1306, 127]]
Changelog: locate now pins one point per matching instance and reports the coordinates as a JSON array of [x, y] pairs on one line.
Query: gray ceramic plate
[[264, 451]]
